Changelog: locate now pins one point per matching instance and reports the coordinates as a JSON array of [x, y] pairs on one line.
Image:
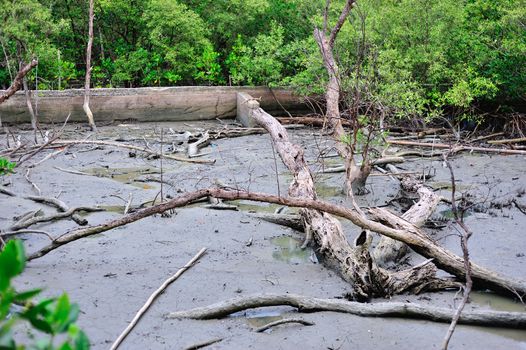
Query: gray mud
[[112, 274]]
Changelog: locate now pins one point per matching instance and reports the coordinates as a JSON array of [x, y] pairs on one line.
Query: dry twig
[[154, 295]]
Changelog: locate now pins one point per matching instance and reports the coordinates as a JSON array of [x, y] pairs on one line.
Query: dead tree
[[354, 263], [85, 106], [356, 175]]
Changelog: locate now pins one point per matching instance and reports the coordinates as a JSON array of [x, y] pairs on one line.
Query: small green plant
[[54, 317], [6, 167]]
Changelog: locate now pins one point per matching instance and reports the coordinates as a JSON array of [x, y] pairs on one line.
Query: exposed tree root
[[488, 318]]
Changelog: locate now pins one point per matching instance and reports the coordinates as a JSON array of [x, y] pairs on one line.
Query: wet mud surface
[[112, 274]]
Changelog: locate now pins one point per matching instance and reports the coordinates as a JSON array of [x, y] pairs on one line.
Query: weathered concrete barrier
[[146, 104], [245, 105]]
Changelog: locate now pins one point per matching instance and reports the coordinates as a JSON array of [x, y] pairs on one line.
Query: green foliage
[[6, 167], [178, 34], [260, 63], [413, 57], [53, 317], [209, 68]]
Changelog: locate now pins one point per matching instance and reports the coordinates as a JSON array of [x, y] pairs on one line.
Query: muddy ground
[[112, 274]]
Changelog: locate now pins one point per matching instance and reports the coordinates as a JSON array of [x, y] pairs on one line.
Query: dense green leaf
[[12, 262]]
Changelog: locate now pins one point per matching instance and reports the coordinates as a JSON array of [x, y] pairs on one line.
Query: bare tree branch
[[18, 82], [341, 20]]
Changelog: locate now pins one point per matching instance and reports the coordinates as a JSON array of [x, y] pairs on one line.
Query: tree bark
[[356, 176], [353, 263], [85, 106], [308, 304], [18, 82], [389, 250], [27, 93]]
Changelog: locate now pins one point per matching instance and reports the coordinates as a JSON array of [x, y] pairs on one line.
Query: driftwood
[[354, 264], [379, 161], [500, 142], [307, 304], [293, 221], [38, 219], [60, 205], [203, 344], [18, 82], [456, 148], [485, 137], [132, 147], [284, 321]]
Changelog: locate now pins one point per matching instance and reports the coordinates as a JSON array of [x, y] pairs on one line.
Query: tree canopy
[[415, 57]]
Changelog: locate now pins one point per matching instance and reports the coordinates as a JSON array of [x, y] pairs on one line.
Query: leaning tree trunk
[[85, 106], [356, 176]]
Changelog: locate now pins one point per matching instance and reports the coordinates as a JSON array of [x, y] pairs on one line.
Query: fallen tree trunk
[[354, 264], [395, 228], [488, 318]]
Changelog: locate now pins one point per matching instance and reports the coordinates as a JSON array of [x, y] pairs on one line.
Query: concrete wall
[[146, 104]]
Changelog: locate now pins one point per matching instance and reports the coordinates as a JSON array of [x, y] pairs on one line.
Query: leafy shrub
[[54, 317], [6, 167]]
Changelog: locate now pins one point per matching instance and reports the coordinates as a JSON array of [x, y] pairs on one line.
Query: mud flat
[[112, 274]]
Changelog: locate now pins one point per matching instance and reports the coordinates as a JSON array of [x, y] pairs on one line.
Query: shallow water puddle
[[252, 207], [499, 303], [446, 185], [448, 214], [113, 208], [263, 316], [324, 190], [289, 250], [496, 302], [124, 175]]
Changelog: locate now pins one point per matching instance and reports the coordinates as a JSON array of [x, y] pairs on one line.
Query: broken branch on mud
[[284, 321], [395, 228], [154, 295], [308, 304], [38, 219]]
